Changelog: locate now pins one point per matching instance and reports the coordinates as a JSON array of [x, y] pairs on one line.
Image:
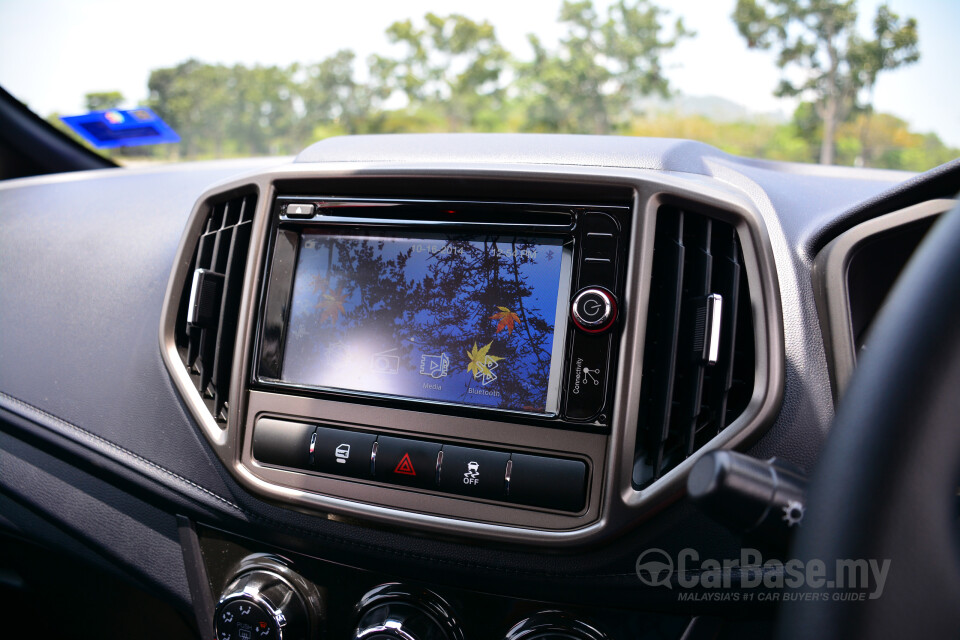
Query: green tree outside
[[603, 65], [103, 100], [836, 65]]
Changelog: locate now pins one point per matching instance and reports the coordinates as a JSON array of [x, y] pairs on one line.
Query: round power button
[[594, 310]]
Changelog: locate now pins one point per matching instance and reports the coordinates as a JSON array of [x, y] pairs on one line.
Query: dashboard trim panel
[[831, 288], [613, 505]]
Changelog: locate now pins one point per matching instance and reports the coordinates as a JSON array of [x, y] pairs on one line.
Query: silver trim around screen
[[560, 332]]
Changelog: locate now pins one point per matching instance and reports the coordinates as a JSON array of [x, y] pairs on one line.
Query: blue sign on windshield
[[121, 128]]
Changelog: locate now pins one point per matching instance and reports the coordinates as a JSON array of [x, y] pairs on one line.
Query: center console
[[450, 316], [485, 361], [462, 353]]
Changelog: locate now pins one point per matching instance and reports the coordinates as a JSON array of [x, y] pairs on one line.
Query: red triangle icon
[[405, 467]]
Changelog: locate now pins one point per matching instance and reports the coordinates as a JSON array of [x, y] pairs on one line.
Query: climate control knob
[[266, 600], [553, 625], [398, 612]]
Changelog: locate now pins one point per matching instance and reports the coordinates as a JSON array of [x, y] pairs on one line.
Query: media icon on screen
[[434, 366]]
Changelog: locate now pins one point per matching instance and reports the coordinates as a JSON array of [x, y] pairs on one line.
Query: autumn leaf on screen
[[480, 360], [319, 283], [506, 318], [331, 305]]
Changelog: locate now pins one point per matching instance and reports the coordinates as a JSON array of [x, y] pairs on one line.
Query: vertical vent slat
[[696, 287], [228, 313], [741, 385], [222, 251], [664, 314], [686, 398], [206, 250], [727, 284], [207, 350]]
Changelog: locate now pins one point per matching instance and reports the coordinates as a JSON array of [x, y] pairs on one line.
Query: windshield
[[837, 82]]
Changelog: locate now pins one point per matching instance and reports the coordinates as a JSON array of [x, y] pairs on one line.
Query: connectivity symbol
[[405, 466], [588, 375]]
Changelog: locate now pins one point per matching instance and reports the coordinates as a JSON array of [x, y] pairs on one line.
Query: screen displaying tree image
[[472, 321]]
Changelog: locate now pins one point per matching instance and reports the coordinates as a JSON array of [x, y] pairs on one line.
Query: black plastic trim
[[197, 579], [47, 149]]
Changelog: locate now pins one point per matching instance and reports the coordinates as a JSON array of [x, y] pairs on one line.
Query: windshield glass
[[838, 82]]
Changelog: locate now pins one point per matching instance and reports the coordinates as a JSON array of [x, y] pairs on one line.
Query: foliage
[[450, 73], [479, 360], [452, 65], [836, 66], [871, 140], [103, 100], [506, 319], [591, 83], [756, 139], [331, 305], [883, 140], [224, 110], [332, 100]]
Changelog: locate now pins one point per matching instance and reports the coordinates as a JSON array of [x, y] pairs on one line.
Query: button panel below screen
[[519, 478]]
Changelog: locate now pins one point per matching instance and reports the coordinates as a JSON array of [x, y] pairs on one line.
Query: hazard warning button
[[407, 462]]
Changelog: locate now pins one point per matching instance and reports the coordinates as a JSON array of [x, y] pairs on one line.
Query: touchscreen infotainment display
[[474, 321]]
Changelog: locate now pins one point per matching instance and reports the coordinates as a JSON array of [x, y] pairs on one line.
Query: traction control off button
[[473, 472]]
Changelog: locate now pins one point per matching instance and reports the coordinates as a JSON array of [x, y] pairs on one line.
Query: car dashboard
[[447, 386]]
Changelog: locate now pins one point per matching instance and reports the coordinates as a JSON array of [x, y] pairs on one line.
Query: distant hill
[[712, 107]]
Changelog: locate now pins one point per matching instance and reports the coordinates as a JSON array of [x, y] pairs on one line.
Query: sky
[[52, 52]]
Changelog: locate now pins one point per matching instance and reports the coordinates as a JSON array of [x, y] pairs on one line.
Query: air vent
[[206, 327], [698, 368], [853, 274]]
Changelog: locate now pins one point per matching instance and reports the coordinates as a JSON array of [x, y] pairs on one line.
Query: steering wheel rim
[[886, 483]]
